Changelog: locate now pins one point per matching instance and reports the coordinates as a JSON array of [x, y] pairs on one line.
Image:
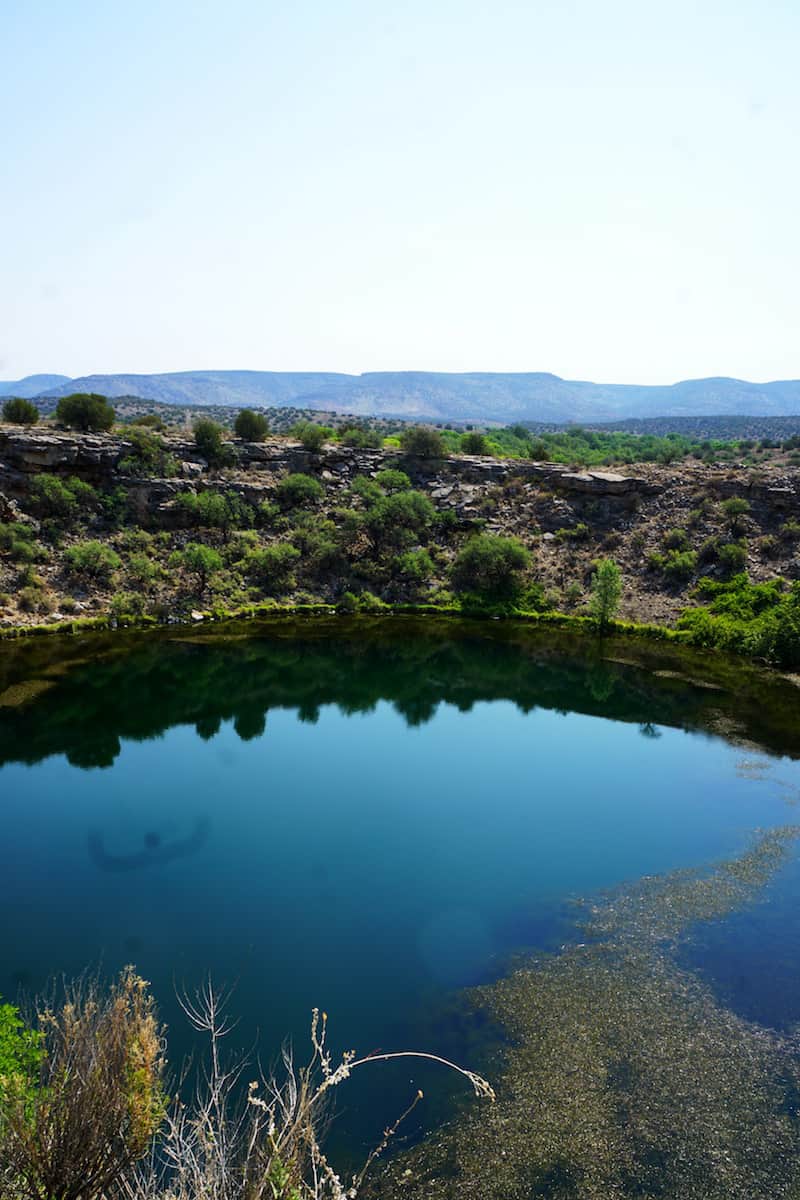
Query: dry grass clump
[[73, 1126], [625, 1077], [263, 1143]]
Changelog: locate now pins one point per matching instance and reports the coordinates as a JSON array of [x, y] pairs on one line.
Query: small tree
[[311, 435], [208, 439], [92, 560], [299, 491], [86, 411], [20, 412], [200, 560], [474, 443], [251, 426], [491, 566], [606, 591], [421, 442], [273, 567], [734, 509]]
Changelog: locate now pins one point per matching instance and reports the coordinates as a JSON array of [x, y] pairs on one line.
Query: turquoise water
[[350, 825]]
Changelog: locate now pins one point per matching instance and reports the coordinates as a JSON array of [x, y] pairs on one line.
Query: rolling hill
[[440, 396]]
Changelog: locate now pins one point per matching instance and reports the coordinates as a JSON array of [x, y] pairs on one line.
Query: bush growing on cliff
[[419, 441], [732, 557], [86, 411], [396, 520], [299, 491], [491, 566], [18, 541], [92, 560], [62, 501], [310, 435], [273, 567], [760, 619], [250, 426], [215, 510], [474, 443], [210, 444], [392, 480], [735, 510], [199, 560], [149, 455], [20, 412]]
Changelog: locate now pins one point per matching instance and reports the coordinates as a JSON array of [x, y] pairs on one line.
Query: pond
[[371, 817]]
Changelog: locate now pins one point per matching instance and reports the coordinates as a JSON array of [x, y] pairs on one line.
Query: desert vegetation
[[351, 517]]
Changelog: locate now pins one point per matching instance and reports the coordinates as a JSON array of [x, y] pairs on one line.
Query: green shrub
[[769, 546], [62, 501], [789, 530], [606, 587], [149, 455], [273, 567], [310, 435], [419, 441], [29, 598], [414, 565], [399, 519], [299, 491], [735, 509], [369, 490], [359, 436], [317, 540], [732, 557], [679, 565], [215, 510], [93, 559], [760, 619], [474, 443], [208, 438], [199, 560], [142, 571], [18, 541], [127, 605], [675, 539], [392, 480], [709, 551], [149, 421], [491, 566], [251, 426], [347, 603], [576, 533], [20, 412], [86, 411]]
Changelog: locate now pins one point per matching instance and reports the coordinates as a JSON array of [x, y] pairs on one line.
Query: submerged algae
[[625, 1077]]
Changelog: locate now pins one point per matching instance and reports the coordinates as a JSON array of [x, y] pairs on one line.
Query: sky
[[604, 189]]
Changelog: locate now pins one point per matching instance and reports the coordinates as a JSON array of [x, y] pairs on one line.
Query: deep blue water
[[357, 862]]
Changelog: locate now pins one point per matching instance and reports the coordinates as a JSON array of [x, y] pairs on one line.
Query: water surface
[[370, 819]]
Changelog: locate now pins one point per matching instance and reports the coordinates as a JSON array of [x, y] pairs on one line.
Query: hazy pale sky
[[606, 189]]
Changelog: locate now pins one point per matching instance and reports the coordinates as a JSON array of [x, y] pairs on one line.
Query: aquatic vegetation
[[625, 1077], [22, 693]]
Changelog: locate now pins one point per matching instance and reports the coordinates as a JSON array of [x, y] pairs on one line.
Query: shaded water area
[[392, 820]]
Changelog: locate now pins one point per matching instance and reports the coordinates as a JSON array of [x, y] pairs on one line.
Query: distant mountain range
[[32, 385], [437, 396]]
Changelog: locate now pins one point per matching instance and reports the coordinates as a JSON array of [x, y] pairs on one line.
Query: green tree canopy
[[606, 591], [86, 411], [419, 441], [20, 412], [491, 566], [251, 426]]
